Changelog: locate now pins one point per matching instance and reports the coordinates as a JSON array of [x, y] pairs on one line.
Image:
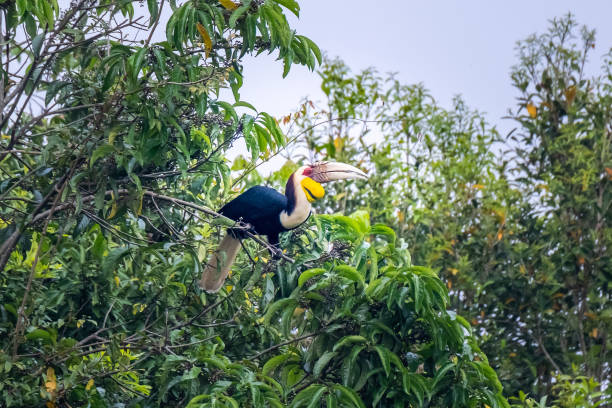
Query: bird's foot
[[276, 252]]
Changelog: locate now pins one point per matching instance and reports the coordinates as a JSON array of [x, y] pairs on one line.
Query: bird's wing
[[255, 205]]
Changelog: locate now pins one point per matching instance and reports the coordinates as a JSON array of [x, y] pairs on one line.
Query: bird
[[269, 212]]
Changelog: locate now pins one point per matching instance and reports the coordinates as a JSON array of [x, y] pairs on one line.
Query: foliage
[[519, 226], [113, 149]]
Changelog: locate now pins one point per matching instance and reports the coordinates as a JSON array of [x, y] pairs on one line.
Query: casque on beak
[[322, 172]]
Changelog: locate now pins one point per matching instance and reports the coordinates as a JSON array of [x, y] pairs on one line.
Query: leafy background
[[114, 153]]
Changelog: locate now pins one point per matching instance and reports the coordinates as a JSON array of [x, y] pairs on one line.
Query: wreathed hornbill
[[269, 213]]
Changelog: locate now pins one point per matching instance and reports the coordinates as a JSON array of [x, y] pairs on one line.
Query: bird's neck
[[298, 206]]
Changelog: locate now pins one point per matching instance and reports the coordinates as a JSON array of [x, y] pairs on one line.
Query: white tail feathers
[[219, 264]]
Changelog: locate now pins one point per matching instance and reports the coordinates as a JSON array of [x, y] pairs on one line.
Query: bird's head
[[310, 178]]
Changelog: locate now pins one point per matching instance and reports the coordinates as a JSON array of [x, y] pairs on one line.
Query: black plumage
[[260, 207]]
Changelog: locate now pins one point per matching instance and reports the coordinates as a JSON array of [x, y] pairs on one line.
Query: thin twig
[[284, 343]]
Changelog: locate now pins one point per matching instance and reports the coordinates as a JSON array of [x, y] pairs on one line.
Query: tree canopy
[[517, 225], [112, 156]]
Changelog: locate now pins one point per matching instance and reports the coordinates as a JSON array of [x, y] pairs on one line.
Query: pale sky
[[453, 47]]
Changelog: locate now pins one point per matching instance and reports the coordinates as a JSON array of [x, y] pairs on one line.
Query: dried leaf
[[205, 38], [113, 210], [532, 110], [51, 383], [400, 216], [570, 94], [228, 4]]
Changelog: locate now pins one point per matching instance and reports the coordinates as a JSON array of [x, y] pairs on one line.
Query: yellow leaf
[[51, 383], [590, 315], [228, 4], [205, 38], [338, 143], [453, 271], [140, 206], [594, 333], [117, 281], [512, 354], [500, 235], [478, 186], [90, 384], [113, 207], [80, 323], [532, 110], [400, 216], [570, 94], [229, 288], [111, 136]]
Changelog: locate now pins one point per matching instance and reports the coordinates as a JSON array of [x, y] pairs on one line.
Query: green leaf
[[247, 132], [245, 105], [308, 274], [229, 110], [239, 12], [48, 13], [309, 396], [380, 229], [349, 395], [112, 260], [322, 363], [37, 43], [350, 273], [153, 11], [278, 305], [39, 334], [101, 151], [53, 88], [349, 340], [291, 5], [276, 361], [384, 358]]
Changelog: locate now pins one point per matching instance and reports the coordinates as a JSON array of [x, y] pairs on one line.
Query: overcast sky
[[453, 47]]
